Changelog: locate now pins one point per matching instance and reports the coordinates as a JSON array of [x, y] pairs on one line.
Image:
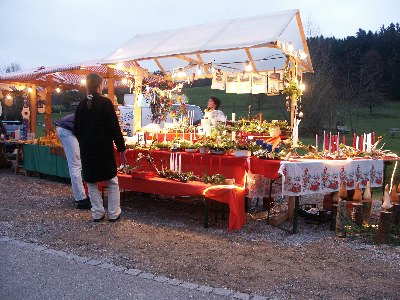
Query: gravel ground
[[167, 238]]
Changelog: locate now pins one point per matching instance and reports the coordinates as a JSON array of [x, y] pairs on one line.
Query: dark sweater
[[67, 122], [97, 129]]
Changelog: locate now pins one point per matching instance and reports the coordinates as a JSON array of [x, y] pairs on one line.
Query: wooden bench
[[342, 129], [394, 131]]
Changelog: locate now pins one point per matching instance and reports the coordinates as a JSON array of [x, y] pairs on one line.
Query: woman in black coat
[[96, 128]]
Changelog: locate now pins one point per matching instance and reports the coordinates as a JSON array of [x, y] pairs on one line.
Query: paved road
[[28, 274]]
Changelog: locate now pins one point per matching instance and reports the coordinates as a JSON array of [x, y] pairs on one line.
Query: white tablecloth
[[305, 177]]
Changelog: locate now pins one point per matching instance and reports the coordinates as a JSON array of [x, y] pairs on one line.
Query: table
[[317, 176], [228, 194], [229, 166], [38, 158]]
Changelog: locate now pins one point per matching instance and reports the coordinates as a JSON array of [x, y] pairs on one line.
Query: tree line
[[351, 75]]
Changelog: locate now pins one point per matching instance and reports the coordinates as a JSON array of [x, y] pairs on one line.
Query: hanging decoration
[[9, 100], [41, 107], [26, 113], [163, 94]]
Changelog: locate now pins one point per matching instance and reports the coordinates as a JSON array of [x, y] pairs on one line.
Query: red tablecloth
[[229, 166], [266, 167], [231, 195]]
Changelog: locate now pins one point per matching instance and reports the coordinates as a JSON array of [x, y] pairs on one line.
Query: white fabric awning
[[210, 43]]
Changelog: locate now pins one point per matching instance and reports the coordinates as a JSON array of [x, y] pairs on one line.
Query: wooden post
[[367, 210], [47, 117], [334, 215], [110, 86], [396, 214], [138, 74], [33, 108], [341, 219], [358, 213], [383, 233]]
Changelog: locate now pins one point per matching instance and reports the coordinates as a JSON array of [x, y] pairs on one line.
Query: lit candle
[[201, 166], [233, 117]]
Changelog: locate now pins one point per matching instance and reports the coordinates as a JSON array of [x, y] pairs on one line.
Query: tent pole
[[47, 117], [138, 74], [110, 86], [33, 108]]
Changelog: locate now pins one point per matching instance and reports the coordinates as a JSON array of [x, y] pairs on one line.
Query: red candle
[[220, 165], [343, 140], [354, 140], [260, 117], [373, 139], [361, 141], [326, 142]]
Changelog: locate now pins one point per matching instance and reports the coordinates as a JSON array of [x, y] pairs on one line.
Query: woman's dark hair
[[217, 101], [93, 81]]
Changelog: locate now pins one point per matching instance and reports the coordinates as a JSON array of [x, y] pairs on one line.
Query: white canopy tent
[[259, 40]]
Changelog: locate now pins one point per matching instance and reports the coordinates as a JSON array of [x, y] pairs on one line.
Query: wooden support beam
[[188, 59], [110, 85], [205, 67], [304, 41], [47, 116], [138, 74], [33, 109], [160, 66], [253, 65]]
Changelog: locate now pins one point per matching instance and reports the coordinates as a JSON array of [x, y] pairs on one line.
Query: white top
[[213, 41]]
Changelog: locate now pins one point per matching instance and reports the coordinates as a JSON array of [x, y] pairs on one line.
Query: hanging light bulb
[[248, 67], [120, 65], [124, 80], [212, 69], [283, 46], [198, 71], [302, 86], [58, 90], [290, 47], [301, 115], [29, 90], [9, 97], [302, 54], [83, 81]]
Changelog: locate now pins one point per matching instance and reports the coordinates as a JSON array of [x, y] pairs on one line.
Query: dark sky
[[53, 32]]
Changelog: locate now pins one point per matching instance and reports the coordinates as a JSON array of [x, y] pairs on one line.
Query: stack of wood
[[385, 219]]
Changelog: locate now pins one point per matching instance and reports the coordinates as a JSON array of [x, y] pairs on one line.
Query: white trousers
[[114, 208], [72, 152]]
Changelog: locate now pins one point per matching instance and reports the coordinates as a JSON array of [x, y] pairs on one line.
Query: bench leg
[[206, 211], [296, 213]]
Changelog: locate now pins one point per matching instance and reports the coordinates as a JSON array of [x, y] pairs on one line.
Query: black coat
[[97, 130]]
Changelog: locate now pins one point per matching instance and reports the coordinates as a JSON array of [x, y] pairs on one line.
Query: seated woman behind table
[[212, 112]]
